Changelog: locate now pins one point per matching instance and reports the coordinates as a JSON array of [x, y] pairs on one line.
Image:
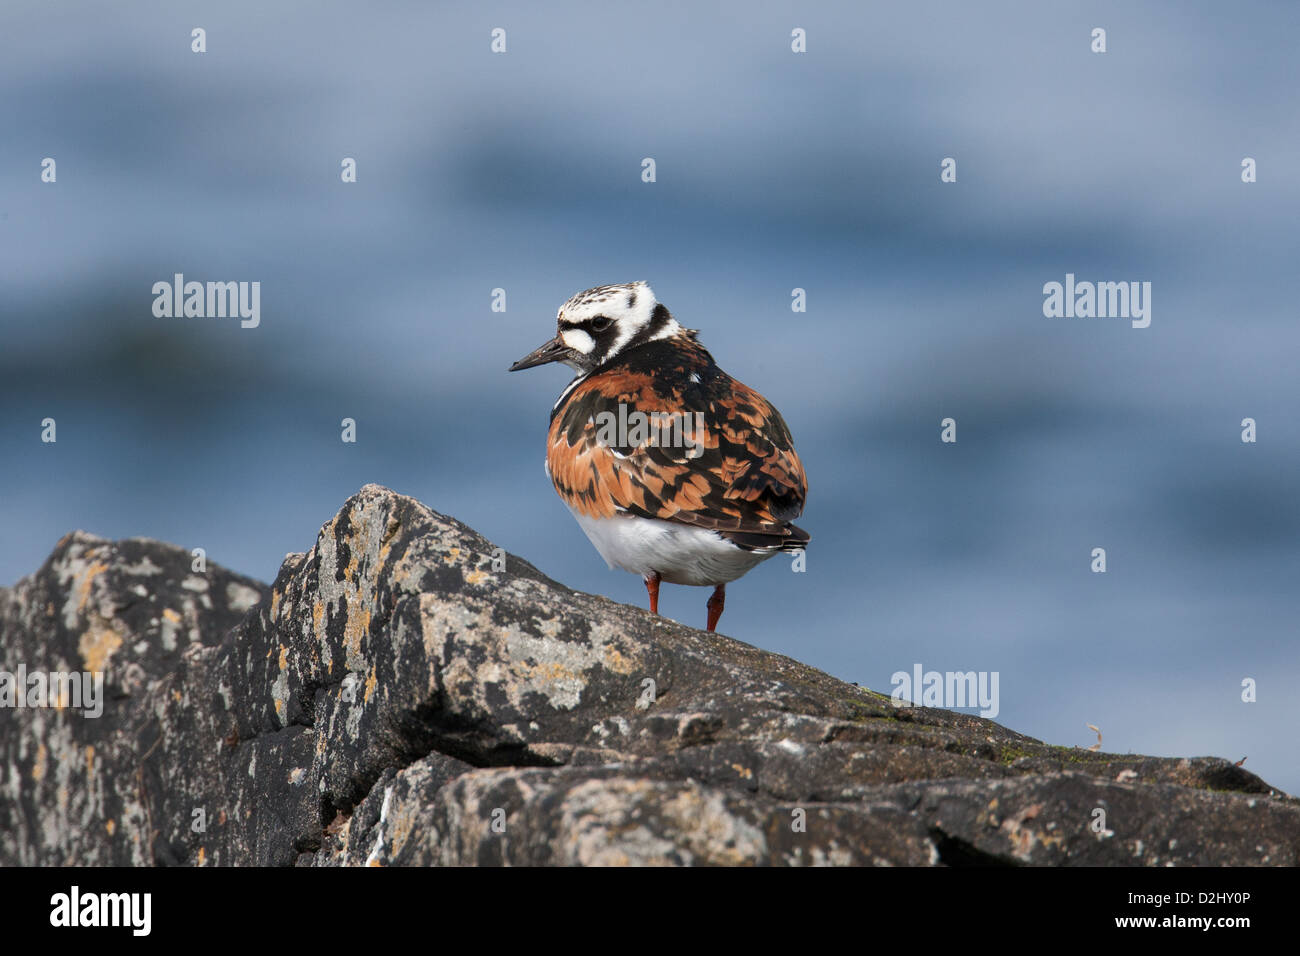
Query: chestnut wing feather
[[728, 465]]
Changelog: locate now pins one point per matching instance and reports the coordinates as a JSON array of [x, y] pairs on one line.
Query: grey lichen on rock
[[406, 694]]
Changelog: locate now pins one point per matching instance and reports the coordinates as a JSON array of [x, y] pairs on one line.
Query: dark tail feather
[[796, 540]]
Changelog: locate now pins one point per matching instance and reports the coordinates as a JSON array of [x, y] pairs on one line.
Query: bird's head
[[596, 325]]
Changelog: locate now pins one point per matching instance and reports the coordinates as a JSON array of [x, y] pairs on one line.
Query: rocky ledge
[[406, 693]]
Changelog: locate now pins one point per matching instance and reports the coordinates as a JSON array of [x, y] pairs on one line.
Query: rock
[[406, 693], [78, 790]]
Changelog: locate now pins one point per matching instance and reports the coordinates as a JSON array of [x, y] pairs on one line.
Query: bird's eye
[[600, 323]]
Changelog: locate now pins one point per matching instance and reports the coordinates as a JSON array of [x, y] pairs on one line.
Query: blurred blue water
[[775, 171]]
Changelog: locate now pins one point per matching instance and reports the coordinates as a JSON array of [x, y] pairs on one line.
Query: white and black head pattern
[[599, 323]]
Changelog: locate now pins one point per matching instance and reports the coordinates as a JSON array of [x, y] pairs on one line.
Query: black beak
[[553, 351]]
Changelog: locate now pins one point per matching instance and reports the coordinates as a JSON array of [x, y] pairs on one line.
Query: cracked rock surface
[[408, 694]]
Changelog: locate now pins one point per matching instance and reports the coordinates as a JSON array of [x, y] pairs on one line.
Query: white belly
[[681, 554]]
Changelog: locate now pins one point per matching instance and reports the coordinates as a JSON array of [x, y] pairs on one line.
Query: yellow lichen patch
[[553, 672], [383, 556], [203, 856], [275, 605], [97, 646], [284, 657], [49, 609], [371, 682], [616, 661], [38, 766], [744, 771], [317, 616], [176, 695], [90, 761], [83, 591], [358, 624], [400, 826], [279, 708], [475, 577], [452, 555], [171, 615], [110, 825]]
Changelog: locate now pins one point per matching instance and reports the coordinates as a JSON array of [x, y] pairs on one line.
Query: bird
[[675, 471]]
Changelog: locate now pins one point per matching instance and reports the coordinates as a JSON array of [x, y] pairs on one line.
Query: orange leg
[[652, 588], [715, 605]]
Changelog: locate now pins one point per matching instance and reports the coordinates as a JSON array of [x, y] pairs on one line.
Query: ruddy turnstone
[[675, 470]]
